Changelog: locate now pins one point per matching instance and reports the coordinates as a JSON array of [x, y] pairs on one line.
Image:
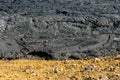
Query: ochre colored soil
[[107, 68]]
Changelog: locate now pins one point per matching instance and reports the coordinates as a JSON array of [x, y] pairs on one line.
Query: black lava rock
[[59, 29]]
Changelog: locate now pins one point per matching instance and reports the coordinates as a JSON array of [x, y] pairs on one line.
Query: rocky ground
[[59, 29], [102, 68]]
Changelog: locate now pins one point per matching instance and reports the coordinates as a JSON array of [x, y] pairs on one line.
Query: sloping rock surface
[[59, 29]]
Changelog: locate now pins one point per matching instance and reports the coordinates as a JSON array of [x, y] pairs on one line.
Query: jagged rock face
[[59, 29]]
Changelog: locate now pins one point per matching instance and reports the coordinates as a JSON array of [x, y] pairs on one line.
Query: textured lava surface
[[59, 29]]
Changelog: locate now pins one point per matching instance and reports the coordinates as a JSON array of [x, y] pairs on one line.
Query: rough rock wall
[[59, 29]]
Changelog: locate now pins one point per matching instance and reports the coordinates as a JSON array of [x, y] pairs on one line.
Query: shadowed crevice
[[42, 55], [73, 57]]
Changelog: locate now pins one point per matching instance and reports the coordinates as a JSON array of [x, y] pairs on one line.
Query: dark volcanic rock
[[59, 29]]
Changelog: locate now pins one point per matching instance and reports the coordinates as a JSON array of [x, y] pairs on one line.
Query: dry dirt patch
[[107, 68]]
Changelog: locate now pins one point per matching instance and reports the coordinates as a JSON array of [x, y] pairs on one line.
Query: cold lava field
[[59, 29], [70, 36], [103, 68]]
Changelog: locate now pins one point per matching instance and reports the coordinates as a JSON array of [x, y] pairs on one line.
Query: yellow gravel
[[107, 68]]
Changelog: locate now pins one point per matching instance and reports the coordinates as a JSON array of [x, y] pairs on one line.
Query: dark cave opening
[[41, 55], [73, 57]]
